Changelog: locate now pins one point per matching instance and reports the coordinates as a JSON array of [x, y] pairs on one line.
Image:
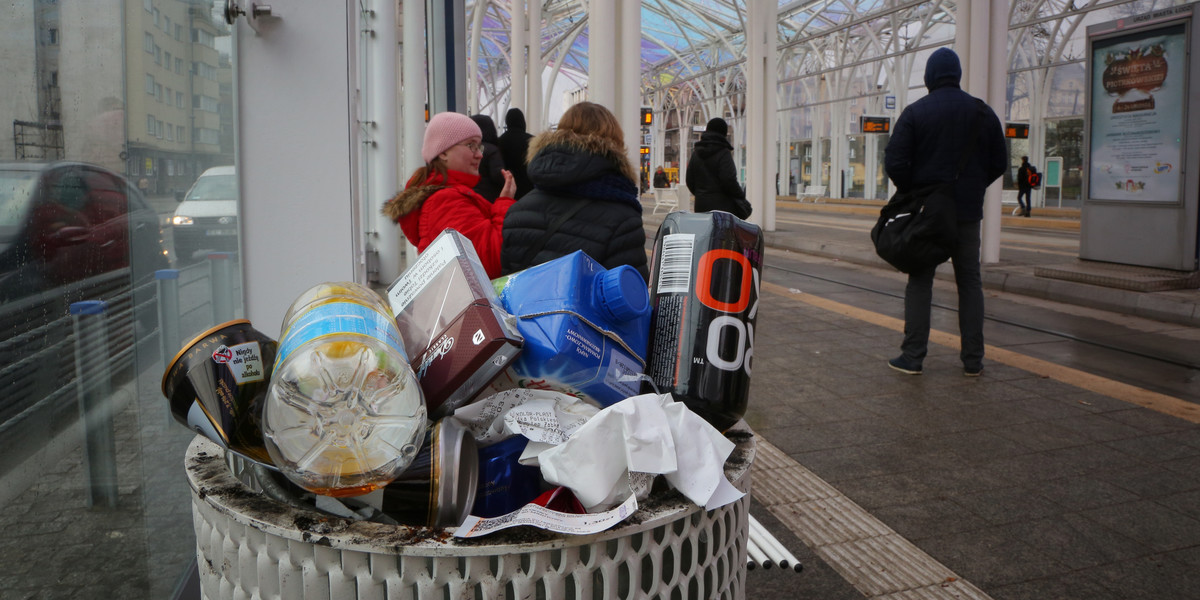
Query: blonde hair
[[594, 119]]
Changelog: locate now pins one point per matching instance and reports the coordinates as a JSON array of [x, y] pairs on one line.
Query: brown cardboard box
[[456, 336]]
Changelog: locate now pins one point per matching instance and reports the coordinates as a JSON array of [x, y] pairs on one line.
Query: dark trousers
[[918, 300], [1028, 203]]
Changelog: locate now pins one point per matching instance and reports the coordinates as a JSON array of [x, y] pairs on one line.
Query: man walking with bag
[[1024, 187], [947, 136]]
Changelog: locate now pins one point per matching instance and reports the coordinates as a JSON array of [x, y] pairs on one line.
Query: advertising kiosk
[[1140, 178]]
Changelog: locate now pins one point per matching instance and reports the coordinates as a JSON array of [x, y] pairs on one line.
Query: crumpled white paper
[[545, 417], [650, 433]]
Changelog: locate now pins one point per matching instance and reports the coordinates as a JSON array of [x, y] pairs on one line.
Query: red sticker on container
[[222, 354]]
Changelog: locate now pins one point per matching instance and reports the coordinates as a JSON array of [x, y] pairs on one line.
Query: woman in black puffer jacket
[[583, 183]]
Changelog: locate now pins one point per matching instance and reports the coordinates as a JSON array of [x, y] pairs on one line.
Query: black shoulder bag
[[918, 229]]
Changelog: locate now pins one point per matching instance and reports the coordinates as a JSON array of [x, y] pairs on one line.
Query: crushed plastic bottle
[[344, 414]]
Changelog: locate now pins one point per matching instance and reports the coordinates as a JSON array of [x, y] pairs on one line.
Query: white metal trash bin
[[251, 546]]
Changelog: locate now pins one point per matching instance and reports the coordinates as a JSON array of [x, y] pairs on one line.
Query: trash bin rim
[[213, 485]]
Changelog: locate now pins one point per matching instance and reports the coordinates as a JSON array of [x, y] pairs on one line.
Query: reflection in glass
[[109, 113]]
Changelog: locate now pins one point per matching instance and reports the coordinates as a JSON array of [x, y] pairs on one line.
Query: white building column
[[685, 135], [412, 110], [602, 57], [535, 119], [628, 108], [983, 51], [615, 76], [761, 117], [517, 41], [870, 163], [383, 156], [838, 148], [783, 126]]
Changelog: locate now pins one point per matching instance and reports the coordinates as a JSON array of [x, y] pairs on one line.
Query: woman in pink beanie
[[439, 195]]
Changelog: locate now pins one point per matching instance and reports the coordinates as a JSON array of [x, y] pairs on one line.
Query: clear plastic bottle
[[344, 414]]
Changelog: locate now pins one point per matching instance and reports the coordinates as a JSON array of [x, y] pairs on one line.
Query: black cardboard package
[[456, 336]]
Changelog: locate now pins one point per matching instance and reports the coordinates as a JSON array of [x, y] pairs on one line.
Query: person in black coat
[[927, 143], [711, 174], [583, 181], [491, 167], [514, 146], [660, 179], [1023, 187]]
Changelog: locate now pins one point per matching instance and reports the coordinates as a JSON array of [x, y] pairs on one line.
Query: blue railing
[[73, 348]]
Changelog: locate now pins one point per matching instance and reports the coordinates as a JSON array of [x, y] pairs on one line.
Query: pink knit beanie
[[445, 130]]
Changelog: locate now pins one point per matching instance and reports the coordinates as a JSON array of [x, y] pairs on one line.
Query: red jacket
[[425, 209]]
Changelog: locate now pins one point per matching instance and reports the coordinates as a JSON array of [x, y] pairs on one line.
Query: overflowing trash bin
[[564, 432], [250, 545]]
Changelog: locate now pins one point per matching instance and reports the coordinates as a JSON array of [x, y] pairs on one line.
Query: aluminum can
[[216, 385], [704, 288]]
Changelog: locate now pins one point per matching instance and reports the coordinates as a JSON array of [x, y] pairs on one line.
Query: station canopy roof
[[685, 37]]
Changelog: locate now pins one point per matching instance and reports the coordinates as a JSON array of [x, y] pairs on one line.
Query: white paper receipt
[[544, 518]]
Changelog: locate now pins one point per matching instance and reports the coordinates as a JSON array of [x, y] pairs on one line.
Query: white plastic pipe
[[756, 555], [773, 548]]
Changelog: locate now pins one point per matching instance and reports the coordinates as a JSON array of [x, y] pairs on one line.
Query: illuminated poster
[[1137, 116]]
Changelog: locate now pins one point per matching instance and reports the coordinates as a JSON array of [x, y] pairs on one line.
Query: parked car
[[206, 220], [68, 232], [64, 222]]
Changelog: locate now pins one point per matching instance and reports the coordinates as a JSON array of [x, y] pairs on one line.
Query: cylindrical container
[[438, 488], [343, 414], [216, 385], [704, 285], [505, 484], [585, 327]]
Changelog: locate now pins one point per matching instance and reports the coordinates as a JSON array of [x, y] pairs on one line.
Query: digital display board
[[875, 124]]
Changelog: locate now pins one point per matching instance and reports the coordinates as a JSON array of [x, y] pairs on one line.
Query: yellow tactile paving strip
[[871, 556]]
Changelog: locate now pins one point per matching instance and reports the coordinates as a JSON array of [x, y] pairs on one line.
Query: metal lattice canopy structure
[[837, 59]]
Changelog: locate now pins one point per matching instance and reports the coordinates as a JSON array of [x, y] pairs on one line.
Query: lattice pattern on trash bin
[[686, 554]]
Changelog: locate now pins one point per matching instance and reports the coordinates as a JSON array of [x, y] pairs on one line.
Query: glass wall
[[856, 169], [1064, 139], [118, 204]]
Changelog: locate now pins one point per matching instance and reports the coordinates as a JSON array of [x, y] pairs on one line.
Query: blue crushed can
[[504, 483]]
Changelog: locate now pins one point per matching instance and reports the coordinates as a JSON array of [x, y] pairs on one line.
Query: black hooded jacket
[[491, 180], [514, 145], [567, 169], [712, 176], [933, 133]]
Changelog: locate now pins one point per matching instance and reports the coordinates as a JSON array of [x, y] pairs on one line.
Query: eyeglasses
[[472, 146]]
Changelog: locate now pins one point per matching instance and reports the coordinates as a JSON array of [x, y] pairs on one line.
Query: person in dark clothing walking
[[660, 179], [585, 184], [925, 147], [514, 145], [491, 168], [1023, 186], [712, 176]]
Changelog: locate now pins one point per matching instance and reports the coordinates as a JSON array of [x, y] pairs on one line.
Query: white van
[[206, 220]]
